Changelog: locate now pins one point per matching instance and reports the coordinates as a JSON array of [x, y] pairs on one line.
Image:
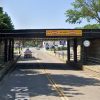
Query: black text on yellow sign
[[63, 32]]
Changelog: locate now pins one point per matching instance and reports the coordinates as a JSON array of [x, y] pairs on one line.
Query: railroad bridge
[[88, 39]]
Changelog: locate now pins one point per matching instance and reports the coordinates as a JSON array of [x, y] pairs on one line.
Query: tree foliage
[[84, 9], [94, 26], [5, 20]]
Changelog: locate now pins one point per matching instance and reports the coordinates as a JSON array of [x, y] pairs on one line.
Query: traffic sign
[[86, 43], [62, 42], [63, 32]]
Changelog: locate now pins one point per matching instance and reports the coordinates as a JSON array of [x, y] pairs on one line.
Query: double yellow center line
[[54, 85]]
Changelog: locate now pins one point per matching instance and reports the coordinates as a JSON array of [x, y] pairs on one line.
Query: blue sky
[[38, 14]]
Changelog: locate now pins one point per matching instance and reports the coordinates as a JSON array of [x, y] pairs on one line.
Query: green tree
[[89, 26], [94, 26], [84, 9], [5, 20]]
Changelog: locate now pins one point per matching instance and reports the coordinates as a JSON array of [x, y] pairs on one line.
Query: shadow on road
[[29, 59], [36, 84]]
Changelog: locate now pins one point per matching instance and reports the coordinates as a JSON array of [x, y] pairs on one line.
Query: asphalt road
[[29, 80]]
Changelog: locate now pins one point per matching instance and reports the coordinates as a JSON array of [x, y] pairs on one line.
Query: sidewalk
[[62, 58], [92, 68], [6, 66]]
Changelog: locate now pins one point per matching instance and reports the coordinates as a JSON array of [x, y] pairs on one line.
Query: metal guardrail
[[93, 60]]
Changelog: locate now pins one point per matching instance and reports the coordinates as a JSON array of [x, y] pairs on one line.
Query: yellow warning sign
[[63, 32]]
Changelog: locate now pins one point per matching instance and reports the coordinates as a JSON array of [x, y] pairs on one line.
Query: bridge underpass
[[73, 37], [72, 53], [88, 55], [30, 80], [47, 77]]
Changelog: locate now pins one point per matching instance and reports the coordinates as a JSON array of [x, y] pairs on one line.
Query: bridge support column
[[9, 50], [12, 49], [75, 50], [19, 48], [5, 50], [68, 50]]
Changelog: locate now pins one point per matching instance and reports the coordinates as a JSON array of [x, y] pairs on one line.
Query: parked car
[[27, 53]]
